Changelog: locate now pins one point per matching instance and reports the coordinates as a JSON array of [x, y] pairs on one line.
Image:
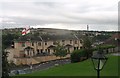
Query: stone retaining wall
[[35, 60]]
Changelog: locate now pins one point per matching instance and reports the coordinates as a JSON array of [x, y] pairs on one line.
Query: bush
[[103, 47], [108, 46], [80, 55]]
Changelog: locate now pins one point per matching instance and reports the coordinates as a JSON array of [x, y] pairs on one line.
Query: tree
[[77, 55], [87, 46], [87, 43], [5, 65], [60, 51], [6, 42], [8, 38]]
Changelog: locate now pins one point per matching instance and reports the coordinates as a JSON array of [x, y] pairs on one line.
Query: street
[[41, 66]]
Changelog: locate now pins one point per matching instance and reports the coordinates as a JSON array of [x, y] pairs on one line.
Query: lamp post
[[99, 60]]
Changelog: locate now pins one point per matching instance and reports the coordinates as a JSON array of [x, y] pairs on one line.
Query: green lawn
[[84, 68]]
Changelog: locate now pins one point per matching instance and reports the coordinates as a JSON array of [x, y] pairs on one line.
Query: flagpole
[[24, 32]]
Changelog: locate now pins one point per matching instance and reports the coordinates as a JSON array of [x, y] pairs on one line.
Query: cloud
[[63, 12]]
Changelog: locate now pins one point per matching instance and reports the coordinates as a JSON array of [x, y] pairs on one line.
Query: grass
[[84, 68]]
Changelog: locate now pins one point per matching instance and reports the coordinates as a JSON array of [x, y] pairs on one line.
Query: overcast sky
[[63, 14]]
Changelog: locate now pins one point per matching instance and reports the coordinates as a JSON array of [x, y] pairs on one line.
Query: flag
[[26, 30]]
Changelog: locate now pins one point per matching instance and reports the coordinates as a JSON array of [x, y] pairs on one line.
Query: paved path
[[116, 54]]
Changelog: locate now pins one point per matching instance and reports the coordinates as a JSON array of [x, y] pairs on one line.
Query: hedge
[[82, 54]]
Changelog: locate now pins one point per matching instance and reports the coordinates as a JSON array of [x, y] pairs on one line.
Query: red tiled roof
[[114, 40], [117, 35]]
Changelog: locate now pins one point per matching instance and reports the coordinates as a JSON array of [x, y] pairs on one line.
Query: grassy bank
[[84, 68]]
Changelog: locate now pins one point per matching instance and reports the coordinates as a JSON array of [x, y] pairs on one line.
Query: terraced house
[[36, 49]]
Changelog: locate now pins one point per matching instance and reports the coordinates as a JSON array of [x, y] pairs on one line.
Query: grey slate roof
[[57, 37], [47, 37]]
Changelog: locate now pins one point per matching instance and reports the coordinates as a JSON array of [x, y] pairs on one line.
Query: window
[[37, 51], [75, 41], [54, 43], [32, 44], [81, 41], [70, 41], [24, 55], [45, 43], [45, 50], [74, 48], [48, 50], [81, 47], [63, 40], [41, 50], [39, 44], [54, 50]]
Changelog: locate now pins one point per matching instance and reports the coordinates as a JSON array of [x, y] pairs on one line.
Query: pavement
[[41, 66], [116, 54]]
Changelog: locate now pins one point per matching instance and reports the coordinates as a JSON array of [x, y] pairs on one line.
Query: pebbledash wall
[[18, 55]]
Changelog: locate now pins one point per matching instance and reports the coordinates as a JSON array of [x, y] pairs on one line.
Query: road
[[43, 66]]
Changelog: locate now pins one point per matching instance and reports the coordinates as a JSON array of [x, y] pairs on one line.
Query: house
[[29, 48], [114, 40]]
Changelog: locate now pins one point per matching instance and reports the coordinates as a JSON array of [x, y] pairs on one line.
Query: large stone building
[[35, 49]]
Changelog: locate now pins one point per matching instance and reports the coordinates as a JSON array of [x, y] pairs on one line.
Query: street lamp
[[99, 60]]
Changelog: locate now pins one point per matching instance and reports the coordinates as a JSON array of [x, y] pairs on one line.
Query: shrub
[[103, 47], [80, 55]]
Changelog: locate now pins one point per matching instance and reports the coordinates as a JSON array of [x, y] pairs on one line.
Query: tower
[[87, 28]]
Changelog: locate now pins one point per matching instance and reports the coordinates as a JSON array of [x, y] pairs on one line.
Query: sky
[[101, 15]]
